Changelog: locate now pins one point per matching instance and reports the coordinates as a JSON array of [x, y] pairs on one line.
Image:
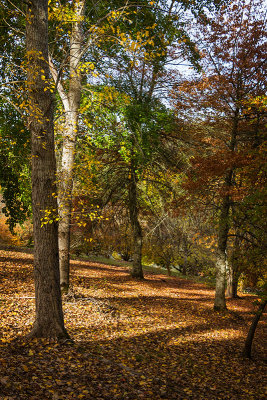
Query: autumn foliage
[[155, 167]]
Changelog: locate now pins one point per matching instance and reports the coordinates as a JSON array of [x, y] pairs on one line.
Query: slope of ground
[[157, 339]]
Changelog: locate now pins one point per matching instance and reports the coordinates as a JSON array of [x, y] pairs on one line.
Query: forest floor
[[156, 339]]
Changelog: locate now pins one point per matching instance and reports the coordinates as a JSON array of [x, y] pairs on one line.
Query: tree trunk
[[137, 270], [49, 315], [186, 254], [169, 269], [233, 272], [252, 329], [232, 282], [221, 261], [65, 185], [219, 301], [71, 103]]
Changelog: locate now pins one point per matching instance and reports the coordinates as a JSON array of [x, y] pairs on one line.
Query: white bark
[[71, 104]]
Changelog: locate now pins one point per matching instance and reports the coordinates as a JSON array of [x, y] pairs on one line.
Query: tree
[[68, 80], [49, 315], [70, 90], [253, 326], [138, 67], [70, 98], [232, 43]]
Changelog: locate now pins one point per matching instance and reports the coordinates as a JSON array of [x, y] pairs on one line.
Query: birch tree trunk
[[71, 102], [137, 270], [49, 315]]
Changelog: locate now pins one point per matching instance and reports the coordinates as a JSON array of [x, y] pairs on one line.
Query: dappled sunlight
[[156, 339], [217, 335]]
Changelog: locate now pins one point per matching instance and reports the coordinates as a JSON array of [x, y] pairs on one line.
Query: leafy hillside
[[157, 339]]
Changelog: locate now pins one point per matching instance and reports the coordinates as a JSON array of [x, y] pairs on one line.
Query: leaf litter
[[152, 340]]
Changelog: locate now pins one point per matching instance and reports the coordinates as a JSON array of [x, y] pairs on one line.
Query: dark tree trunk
[[252, 329], [186, 255], [184, 269], [49, 315], [137, 270], [233, 272], [232, 282], [168, 270]]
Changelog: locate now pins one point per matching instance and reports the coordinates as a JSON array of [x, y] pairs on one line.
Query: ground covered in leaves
[[157, 339]]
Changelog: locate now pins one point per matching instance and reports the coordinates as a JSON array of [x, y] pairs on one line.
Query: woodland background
[[133, 134]]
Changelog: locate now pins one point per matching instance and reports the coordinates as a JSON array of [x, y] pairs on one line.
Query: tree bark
[[169, 269], [233, 271], [65, 185], [232, 280], [49, 315], [231, 288], [137, 270], [219, 301], [186, 254], [71, 103], [252, 329]]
